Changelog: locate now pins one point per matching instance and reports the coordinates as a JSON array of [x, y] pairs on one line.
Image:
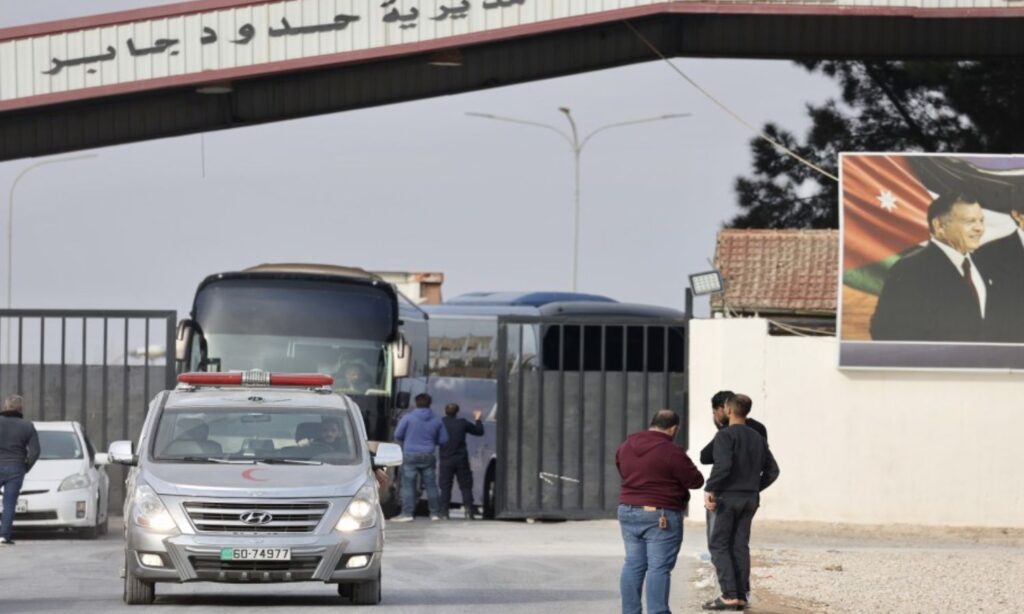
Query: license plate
[[255, 554], [19, 508]]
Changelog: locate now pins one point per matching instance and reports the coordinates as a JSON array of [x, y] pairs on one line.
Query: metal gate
[[97, 367], [569, 392]]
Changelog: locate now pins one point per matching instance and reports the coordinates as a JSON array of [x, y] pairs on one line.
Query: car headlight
[[149, 512], [74, 482], [361, 512]]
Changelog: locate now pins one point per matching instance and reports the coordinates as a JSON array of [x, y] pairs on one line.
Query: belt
[[650, 508]]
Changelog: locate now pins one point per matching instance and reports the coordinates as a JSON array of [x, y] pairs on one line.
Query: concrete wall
[[872, 447]]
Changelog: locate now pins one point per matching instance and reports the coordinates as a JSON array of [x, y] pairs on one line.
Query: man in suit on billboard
[[1003, 259], [938, 293]]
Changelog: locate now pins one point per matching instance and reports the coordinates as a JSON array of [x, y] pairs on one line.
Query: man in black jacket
[[1003, 259], [721, 419], [455, 459], [19, 450], [744, 466], [938, 293]]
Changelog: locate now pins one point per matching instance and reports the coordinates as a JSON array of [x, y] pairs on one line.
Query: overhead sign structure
[[227, 42], [932, 261], [228, 39]]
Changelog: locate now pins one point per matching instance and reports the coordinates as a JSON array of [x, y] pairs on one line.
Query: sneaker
[[6, 542], [435, 518], [402, 519]]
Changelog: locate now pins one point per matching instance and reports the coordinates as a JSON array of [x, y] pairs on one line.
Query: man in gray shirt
[[19, 450]]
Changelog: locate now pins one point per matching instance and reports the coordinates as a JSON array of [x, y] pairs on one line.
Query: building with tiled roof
[[789, 276]]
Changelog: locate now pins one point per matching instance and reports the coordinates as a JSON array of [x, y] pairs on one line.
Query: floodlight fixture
[[706, 283]]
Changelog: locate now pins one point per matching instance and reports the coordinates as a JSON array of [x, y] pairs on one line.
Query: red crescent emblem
[[248, 474]]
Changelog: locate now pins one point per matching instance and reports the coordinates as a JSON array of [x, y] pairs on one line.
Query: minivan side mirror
[[401, 358], [183, 340], [122, 453], [388, 455]]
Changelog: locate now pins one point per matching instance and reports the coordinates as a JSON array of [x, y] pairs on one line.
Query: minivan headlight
[[149, 512], [361, 512], [74, 482]]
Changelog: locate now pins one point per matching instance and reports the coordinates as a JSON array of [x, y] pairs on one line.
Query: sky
[[417, 186]]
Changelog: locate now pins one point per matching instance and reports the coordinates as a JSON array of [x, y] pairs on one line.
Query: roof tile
[[777, 271]]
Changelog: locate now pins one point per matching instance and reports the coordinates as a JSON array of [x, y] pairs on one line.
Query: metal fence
[[96, 367], [564, 408]]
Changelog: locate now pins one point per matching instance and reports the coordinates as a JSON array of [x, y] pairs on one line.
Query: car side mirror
[[388, 455], [122, 453], [101, 459]]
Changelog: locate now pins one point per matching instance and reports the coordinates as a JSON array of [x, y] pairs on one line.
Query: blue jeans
[[651, 552], [11, 478], [425, 466]]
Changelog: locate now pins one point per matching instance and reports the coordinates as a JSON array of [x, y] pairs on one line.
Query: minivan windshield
[[228, 435], [59, 445]]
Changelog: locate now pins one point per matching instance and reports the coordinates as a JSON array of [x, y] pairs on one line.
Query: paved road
[[453, 566]]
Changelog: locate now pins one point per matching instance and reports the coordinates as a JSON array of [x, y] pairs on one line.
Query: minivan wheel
[[367, 593], [136, 591]]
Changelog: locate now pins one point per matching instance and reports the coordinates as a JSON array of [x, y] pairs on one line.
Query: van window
[[211, 435], [464, 347]]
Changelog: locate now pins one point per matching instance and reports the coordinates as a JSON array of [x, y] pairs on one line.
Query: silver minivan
[[253, 478]]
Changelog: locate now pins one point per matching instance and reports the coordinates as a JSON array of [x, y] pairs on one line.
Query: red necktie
[[970, 282]]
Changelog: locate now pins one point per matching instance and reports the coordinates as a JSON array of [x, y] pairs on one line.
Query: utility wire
[[722, 105]]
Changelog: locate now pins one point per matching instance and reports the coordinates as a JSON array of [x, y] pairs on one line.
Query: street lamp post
[[10, 232], [577, 145]]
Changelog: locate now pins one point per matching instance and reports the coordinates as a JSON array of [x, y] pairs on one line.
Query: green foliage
[[965, 106]]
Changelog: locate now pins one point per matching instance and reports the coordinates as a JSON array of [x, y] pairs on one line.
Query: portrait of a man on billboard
[[932, 261]]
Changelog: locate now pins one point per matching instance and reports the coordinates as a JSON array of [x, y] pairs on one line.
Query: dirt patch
[[796, 533], [835, 569]]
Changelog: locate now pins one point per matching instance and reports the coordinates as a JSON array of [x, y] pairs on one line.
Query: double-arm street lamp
[[576, 144], [10, 231]]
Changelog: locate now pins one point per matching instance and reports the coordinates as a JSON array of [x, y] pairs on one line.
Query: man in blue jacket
[[19, 450], [419, 433]]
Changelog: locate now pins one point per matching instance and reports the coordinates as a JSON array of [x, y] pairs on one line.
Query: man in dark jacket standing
[[19, 450], [455, 458], [419, 433], [721, 419], [656, 479], [744, 466]]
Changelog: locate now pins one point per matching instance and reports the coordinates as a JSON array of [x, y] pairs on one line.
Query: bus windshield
[[298, 326]]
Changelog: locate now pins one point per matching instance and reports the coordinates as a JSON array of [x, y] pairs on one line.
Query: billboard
[[932, 261]]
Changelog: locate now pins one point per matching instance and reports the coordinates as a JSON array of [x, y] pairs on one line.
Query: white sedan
[[68, 486]]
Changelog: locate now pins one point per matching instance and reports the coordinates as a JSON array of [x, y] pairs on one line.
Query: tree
[[966, 106]]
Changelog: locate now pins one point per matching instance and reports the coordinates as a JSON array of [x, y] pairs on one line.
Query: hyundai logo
[[255, 517]]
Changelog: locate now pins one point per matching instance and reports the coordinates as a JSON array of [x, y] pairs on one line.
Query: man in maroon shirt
[[656, 479]]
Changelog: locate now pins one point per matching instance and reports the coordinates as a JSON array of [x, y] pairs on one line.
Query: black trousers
[[730, 542], [456, 467]]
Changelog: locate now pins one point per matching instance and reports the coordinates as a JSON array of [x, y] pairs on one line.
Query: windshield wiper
[[210, 459], [287, 461]]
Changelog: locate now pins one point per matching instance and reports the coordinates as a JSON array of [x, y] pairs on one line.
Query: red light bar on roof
[[255, 378]]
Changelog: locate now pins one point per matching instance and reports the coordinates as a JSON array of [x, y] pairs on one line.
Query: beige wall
[[871, 447]]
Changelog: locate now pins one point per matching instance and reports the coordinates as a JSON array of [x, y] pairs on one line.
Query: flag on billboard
[[884, 215]]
